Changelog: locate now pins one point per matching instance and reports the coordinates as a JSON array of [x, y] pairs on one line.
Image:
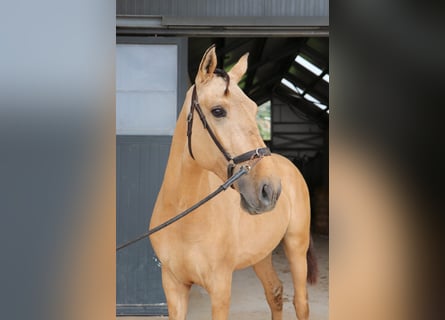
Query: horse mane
[[223, 74]]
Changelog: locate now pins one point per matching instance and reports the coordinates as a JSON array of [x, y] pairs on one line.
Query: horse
[[241, 226]]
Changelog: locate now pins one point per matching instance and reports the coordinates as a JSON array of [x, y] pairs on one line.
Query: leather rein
[[232, 161]]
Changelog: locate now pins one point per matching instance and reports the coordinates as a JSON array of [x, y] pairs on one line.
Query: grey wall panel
[[239, 8], [141, 162]]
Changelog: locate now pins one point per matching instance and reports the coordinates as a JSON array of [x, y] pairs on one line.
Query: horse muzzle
[[259, 197]]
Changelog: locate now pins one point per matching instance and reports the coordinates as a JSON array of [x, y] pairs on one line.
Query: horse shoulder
[[295, 189]]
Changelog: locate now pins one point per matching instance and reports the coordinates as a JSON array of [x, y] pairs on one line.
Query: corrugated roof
[[258, 8]]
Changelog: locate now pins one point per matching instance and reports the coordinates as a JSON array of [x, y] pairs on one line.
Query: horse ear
[[207, 65], [239, 69]]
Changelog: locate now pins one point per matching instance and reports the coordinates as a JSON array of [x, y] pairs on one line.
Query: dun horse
[[241, 226]]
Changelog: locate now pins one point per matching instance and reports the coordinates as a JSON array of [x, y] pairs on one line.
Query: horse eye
[[219, 112]]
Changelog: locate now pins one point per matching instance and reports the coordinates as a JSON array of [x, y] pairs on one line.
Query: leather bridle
[[254, 155], [232, 161]]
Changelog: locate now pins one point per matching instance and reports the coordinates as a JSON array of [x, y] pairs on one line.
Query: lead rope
[[243, 170]]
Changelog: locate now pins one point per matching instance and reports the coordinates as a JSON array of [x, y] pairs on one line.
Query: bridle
[[253, 155], [257, 153]]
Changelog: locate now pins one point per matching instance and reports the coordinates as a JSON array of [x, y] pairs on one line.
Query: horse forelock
[[223, 74]]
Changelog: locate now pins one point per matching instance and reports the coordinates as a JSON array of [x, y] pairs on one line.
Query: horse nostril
[[266, 194]]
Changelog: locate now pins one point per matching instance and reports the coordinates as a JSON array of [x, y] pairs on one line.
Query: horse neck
[[184, 179]]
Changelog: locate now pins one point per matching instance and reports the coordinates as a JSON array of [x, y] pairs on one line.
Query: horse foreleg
[[177, 295], [295, 252], [273, 287], [219, 288]]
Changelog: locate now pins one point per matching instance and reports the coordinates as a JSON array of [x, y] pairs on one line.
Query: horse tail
[[312, 264]]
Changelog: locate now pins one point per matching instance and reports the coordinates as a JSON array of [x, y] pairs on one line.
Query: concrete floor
[[248, 300]]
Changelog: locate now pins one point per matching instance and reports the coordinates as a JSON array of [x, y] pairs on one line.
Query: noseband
[[232, 161]]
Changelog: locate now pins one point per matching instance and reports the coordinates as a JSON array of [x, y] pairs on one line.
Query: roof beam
[[307, 87], [255, 56], [290, 97], [286, 52], [234, 45], [317, 57]]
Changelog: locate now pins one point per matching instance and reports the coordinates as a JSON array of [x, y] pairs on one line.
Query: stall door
[[146, 110]]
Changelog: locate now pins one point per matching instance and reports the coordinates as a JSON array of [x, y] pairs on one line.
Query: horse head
[[229, 136]]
